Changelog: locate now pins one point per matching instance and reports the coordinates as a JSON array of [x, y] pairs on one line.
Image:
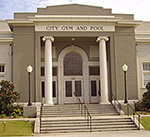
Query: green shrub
[[145, 104], [146, 100], [139, 106], [7, 97], [3, 115], [16, 116]]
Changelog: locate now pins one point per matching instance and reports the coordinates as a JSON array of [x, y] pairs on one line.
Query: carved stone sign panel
[[74, 28]]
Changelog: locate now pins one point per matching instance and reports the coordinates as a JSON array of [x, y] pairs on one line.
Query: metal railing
[[134, 113], [128, 111], [85, 113], [116, 102], [41, 113], [89, 117]]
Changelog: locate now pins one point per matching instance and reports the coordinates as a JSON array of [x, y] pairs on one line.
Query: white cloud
[[140, 8]]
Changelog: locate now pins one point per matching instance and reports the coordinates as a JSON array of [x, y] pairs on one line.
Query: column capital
[[51, 38], [102, 38]]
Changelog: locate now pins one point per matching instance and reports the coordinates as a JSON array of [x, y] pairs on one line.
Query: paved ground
[[142, 133]]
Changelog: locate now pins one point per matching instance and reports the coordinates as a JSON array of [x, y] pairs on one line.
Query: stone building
[[75, 49]]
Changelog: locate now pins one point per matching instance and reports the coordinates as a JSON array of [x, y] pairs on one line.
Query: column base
[[104, 102], [49, 104]]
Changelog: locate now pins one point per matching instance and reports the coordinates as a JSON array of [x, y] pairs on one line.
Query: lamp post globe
[[29, 70], [125, 68]]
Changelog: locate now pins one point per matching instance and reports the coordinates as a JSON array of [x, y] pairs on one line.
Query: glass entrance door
[[95, 90], [73, 88]]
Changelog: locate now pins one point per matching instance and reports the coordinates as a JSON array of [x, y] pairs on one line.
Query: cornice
[[62, 18], [128, 23], [20, 22], [6, 40], [142, 40]]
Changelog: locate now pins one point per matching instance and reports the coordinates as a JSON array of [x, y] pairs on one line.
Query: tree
[[7, 97], [145, 104]]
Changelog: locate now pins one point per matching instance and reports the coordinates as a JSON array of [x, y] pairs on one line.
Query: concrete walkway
[[136, 133]]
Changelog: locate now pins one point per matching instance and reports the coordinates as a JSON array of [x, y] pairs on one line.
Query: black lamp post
[[29, 69], [125, 68]]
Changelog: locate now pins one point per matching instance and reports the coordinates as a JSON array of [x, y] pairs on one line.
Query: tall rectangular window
[[43, 89], [93, 88], [2, 68], [146, 73], [68, 85], [78, 88], [54, 88], [2, 71]]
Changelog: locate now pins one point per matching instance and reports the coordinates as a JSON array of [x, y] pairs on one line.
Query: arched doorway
[[73, 75]]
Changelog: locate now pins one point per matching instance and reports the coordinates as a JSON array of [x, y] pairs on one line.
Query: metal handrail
[[87, 114], [80, 105], [41, 114], [89, 117], [115, 100], [134, 112]]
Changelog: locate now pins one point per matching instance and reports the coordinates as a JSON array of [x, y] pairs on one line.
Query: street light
[[125, 68], [29, 69]]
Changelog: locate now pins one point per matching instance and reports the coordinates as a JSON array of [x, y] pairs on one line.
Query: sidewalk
[[136, 133]]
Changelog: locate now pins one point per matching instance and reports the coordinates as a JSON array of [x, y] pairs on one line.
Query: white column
[[48, 70], [103, 69]]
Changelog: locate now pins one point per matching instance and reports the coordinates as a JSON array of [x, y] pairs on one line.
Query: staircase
[[68, 119], [73, 110]]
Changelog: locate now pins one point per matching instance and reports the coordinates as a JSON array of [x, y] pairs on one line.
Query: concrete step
[[68, 121], [60, 125], [76, 114], [88, 130], [85, 127], [85, 122]]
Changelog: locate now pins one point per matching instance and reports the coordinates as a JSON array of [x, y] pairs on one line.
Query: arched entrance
[[73, 75]]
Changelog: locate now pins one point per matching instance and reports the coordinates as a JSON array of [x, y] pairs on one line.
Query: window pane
[[94, 71], [42, 71], [99, 88], [54, 71], [78, 88], [93, 88], [68, 88], [146, 79], [146, 67], [54, 88], [43, 89], [1, 78], [2, 68]]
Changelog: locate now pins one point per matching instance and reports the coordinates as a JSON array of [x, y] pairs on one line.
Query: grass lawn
[[15, 128], [145, 121]]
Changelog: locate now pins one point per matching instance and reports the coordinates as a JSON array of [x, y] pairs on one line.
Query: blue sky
[[140, 8]]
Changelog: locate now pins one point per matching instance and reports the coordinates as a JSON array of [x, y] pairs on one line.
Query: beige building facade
[[77, 50]]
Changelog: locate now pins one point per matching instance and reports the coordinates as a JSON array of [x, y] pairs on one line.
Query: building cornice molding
[[32, 20], [20, 22], [128, 23], [142, 40], [68, 18], [6, 40]]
